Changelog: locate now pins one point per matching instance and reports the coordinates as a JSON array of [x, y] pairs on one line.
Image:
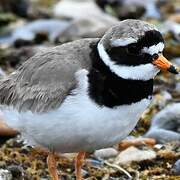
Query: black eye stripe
[[134, 49], [132, 54], [121, 55], [150, 38]]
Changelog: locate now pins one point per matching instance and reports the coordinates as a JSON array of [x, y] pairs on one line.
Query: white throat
[[139, 72]]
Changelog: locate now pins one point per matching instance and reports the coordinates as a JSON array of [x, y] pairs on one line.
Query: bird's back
[[44, 80]]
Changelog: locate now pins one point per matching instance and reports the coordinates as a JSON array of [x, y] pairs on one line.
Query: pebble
[[176, 61], [52, 27], [18, 7], [5, 175], [164, 126], [94, 163], [16, 171], [81, 10], [177, 88], [84, 28], [150, 6], [130, 11], [158, 146], [174, 28], [105, 153], [176, 167], [88, 19], [28, 32], [134, 154], [162, 99], [84, 173], [5, 130]]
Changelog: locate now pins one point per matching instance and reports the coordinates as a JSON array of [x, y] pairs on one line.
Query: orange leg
[[52, 166], [78, 164]]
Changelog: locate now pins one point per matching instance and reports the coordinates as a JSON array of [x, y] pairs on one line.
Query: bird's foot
[[51, 161], [78, 164]]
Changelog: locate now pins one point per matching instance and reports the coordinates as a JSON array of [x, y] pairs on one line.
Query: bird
[[86, 94]]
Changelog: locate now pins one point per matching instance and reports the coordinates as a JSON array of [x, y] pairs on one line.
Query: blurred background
[[28, 26]]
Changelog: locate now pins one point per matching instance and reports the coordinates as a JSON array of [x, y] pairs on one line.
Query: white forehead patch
[[155, 49], [139, 72], [123, 42]]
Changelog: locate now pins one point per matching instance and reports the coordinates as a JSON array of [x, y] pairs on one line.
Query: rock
[[166, 96], [50, 28], [94, 163], [5, 130], [149, 5], [104, 3], [18, 7], [158, 146], [130, 11], [177, 88], [136, 142], [88, 20], [16, 171], [5, 33], [176, 168], [84, 173], [6, 18], [5, 175], [122, 9], [78, 9], [174, 28], [105, 153], [162, 99], [175, 17], [176, 61], [168, 8], [84, 28], [165, 124], [134, 154]]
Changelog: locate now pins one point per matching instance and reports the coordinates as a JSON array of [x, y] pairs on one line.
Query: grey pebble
[[176, 167], [105, 153], [94, 163], [5, 175], [165, 124]]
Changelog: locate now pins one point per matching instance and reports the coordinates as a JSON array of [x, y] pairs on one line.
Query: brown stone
[[5, 130]]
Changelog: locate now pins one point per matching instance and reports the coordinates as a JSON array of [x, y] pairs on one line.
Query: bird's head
[[133, 49]]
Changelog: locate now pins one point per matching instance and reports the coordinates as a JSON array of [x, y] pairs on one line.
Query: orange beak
[[163, 64]]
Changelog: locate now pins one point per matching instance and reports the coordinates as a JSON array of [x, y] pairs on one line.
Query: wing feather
[[43, 81]]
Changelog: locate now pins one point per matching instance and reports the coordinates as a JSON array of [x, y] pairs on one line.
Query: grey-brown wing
[[43, 81]]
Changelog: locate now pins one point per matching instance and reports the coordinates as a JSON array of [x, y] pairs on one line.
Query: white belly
[[79, 124]]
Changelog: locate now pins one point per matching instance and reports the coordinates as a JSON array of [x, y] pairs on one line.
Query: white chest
[[80, 124]]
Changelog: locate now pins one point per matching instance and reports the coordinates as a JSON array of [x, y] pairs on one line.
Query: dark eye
[[155, 56], [133, 49]]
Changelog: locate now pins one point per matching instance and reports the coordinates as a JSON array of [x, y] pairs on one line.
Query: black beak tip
[[173, 69]]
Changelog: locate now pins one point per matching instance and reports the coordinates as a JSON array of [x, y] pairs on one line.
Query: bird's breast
[[80, 123]]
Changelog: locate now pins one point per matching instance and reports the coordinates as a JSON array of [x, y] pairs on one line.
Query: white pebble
[[105, 153], [5, 175]]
